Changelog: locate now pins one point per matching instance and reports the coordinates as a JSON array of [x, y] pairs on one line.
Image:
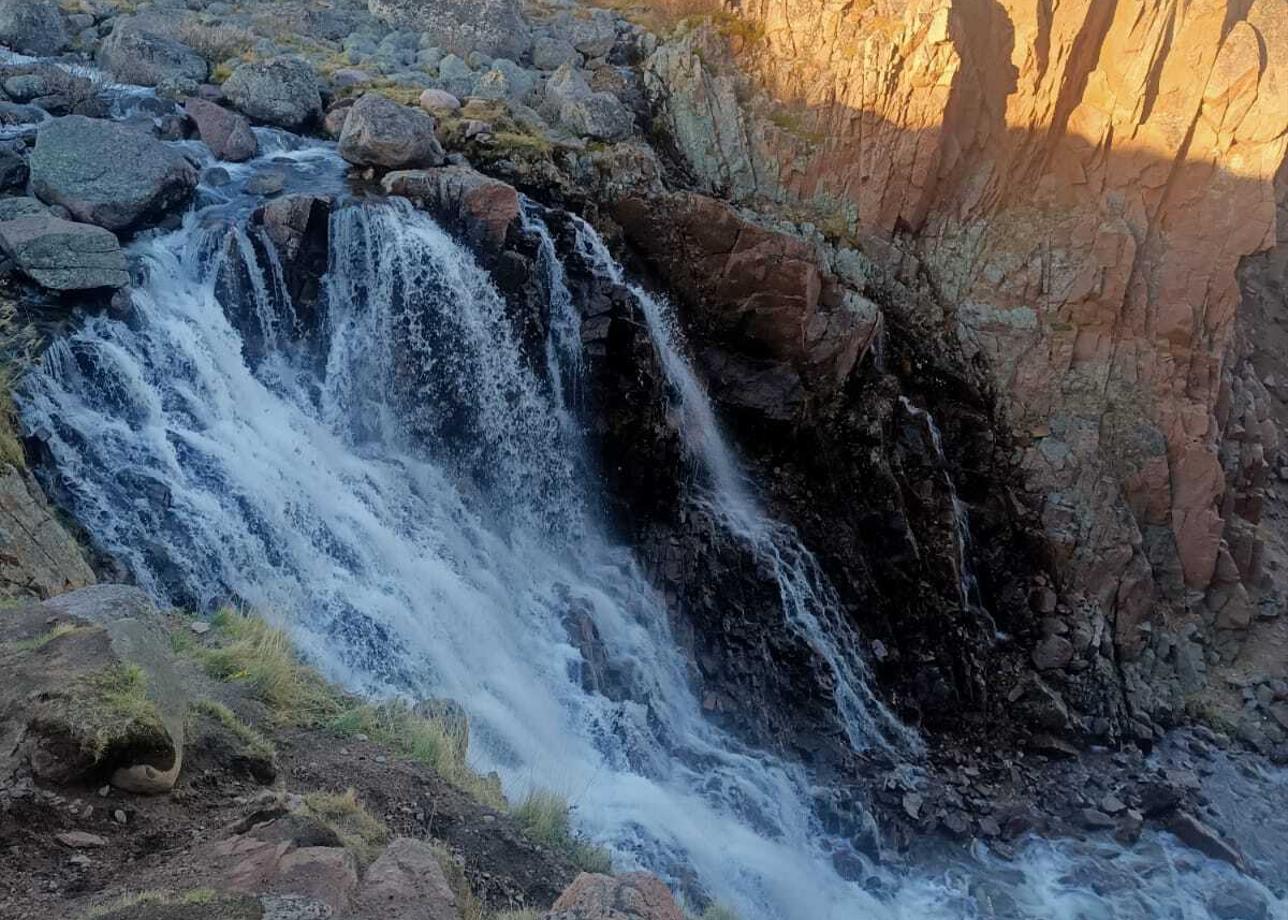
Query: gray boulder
[[64, 256], [137, 52], [14, 114], [493, 27], [45, 83], [551, 53], [380, 132], [13, 208], [109, 174], [567, 84], [32, 26], [600, 116], [281, 92], [505, 80], [227, 134], [455, 76], [593, 35]]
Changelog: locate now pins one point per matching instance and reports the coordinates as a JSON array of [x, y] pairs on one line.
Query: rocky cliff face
[[1082, 182]]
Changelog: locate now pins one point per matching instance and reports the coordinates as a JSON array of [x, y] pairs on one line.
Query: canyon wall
[[1081, 181]]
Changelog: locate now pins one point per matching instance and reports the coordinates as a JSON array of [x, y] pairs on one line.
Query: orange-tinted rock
[[1084, 180], [634, 896]]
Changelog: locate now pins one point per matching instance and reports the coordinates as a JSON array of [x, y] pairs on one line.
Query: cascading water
[[403, 494], [968, 591]]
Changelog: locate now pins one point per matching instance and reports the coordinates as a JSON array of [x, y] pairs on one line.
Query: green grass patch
[[36, 643], [248, 651], [356, 827], [434, 742], [546, 817], [125, 905], [254, 741]]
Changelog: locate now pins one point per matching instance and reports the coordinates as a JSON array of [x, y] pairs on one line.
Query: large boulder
[[599, 116], [380, 132], [227, 134], [90, 688], [496, 28], [32, 26], [282, 92], [479, 208], [138, 52], [49, 86], [109, 174], [64, 256], [634, 896], [406, 882], [757, 297]]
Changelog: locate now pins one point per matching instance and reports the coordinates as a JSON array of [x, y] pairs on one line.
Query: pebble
[[79, 840], [119, 816]]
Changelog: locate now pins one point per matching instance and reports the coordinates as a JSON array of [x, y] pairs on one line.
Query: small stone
[[1112, 805], [104, 791], [1052, 653], [79, 859], [1095, 820], [80, 840], [200, 627], [119, 816], [912, 805]]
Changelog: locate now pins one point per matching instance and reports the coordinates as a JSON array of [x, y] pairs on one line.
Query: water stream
[[401, 490]]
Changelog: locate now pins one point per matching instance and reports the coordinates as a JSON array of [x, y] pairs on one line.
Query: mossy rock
[[91, 692]]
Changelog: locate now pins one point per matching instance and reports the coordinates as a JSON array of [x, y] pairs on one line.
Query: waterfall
[[969, 595], [407, 503], [811, 609]]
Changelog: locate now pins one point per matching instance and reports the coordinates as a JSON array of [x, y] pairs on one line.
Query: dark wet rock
[[13, 113], [1096, 820], [754, 296], [64, 256], [1052, 653], [32, 26], [46, 85], [479, 208], [138, 52], [13, 167], [1194, 833], [108, 174], [227, 134], [496, 28], [380, 132], [1237, 899], [267, 182], [299, 228], [281, 92]]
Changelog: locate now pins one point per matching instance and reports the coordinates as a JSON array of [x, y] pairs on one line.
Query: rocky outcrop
[[138, 52], [774, 327], [282, 92], [480, 208], [1082, 188], [496, 28], [38, 558], [380, 132], [227, 134], [32, 26], [64, 256], [109, 174], [91, 691]]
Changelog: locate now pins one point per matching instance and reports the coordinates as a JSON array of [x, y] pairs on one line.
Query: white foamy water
[[408, 501]]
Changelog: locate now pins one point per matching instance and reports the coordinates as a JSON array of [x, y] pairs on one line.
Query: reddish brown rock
[[778, 324], [480, 208], [227, 134], [405, 883], [635, 896]]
